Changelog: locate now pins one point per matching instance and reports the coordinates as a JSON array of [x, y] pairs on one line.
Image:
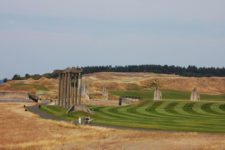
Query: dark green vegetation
[[190, 71], [177, 115], [35, 76]]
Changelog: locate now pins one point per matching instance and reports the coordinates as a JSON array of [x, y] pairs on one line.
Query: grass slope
[[163, 115], [177, 114], [167, 94], [166, 115]]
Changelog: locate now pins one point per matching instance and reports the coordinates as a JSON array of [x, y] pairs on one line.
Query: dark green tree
[[5, 80], [16, 77], [27, 76]]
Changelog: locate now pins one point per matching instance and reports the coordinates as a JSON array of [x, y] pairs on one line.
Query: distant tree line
[[190, 71], [35, 76]]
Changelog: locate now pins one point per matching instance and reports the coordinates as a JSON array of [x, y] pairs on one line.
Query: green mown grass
[[62, 113], [176, 115], [167, 95]]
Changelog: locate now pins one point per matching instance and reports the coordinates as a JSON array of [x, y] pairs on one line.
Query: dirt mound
[[44, 87], [204, 85], [9, 95], [129, 81]]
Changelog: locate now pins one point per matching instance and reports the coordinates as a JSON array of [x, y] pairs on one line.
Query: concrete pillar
[[66, 93], [58, 101], [76, 85], [76, 88], [59, 96], [157, 94], [68, 90], [80, 88], [195, 96], [61, 90], [65, 90], [72, 90]]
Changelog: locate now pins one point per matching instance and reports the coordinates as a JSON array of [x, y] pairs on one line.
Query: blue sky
[[38, 36]]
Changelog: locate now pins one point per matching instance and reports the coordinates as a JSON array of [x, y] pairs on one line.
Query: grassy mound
[[167, 95], [62, 113], [179, 115], [166, 115]]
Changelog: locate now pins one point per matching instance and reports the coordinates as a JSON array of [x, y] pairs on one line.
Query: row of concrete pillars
[[195, 95], [69, 89]]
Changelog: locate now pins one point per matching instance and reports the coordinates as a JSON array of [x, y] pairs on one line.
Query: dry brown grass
[[24, 130], [123, 81], [50, 87], [16, 95]]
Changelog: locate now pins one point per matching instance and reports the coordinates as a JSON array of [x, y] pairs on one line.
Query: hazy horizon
[[40, 36]]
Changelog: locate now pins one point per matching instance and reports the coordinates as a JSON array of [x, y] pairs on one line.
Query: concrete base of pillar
[[77, 108]]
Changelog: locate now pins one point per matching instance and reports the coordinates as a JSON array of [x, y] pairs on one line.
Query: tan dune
[[47, 88]]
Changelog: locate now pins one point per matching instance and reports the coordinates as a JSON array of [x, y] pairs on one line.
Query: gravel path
[[16, 100], [35, 109]]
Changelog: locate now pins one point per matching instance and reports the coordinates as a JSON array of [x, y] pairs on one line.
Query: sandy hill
[[129, 81], [44, 87], [47, 88]]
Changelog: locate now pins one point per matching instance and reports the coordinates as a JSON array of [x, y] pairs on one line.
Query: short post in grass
[[79, 121], [195, 96], [85, 92], [105, 94], [157, 94], [120, 101]]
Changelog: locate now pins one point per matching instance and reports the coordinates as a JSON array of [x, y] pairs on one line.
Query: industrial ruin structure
[[70, 82]]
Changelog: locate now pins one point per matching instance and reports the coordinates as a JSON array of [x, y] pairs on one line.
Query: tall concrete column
[[71, 89], [59, 91], [68, 90], [65, 90], [80, 88], [76, 89], [70, 104]]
